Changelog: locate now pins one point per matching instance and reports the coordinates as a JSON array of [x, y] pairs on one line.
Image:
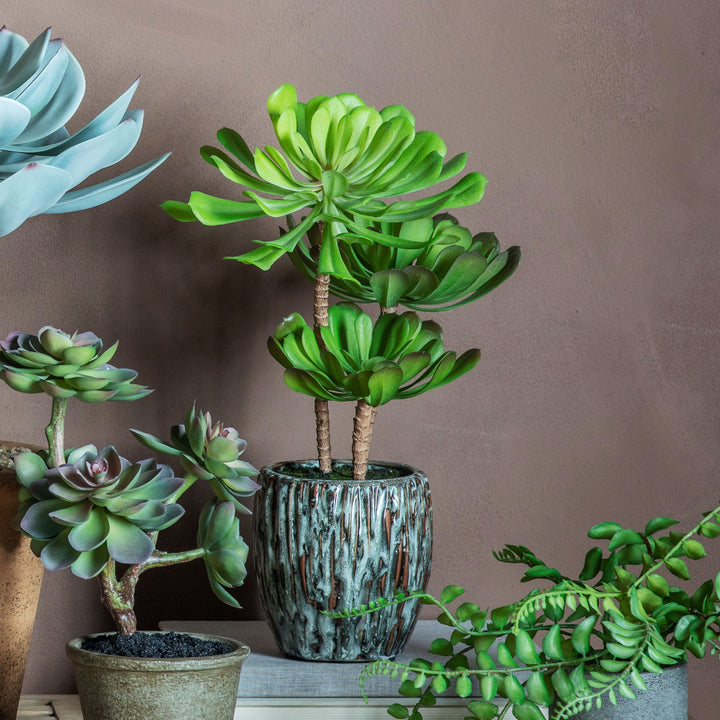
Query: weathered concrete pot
[[202, 688], [20, 579], [666, 698], [323, 544]]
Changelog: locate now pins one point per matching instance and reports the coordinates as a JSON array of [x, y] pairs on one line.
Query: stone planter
[[337, 544], [20, 579], [202, 688], [666, 698]]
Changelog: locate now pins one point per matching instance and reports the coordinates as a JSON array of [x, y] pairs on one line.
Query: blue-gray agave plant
[[41, 87]]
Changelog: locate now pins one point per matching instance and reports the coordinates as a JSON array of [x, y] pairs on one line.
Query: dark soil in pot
[[155, 645], [341, 470]]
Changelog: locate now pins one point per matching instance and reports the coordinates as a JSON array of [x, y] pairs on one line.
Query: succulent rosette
[[225, 550], [444, 265], [65, 366], [340, 160], [398, 356], [95, 507], [209, 451], [41, 87]]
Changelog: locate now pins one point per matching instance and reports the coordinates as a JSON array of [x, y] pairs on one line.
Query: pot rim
[[77, 654], [10, 472], [277, 468]]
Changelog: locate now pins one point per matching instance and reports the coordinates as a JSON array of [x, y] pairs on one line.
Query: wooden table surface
[[43, 707]]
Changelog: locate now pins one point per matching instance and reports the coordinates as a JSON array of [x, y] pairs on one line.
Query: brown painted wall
[[597, 396]]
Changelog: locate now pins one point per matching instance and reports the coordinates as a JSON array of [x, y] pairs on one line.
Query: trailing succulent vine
[[339, 161], [579, 643], [99, 514]]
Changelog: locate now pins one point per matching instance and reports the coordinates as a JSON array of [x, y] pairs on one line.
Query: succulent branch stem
[[55, 432], [119, 599], [118, 596], [362, 434], [320, 319]]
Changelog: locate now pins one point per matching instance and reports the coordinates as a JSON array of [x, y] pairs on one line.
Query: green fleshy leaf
[[126, 543], [29, 468], [91, 534], [211, 210], [58, 554], [90, 564], [389, 286]]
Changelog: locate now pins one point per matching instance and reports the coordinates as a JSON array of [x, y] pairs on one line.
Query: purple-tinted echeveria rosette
[[64, 366], [95, 507], [209, 451]]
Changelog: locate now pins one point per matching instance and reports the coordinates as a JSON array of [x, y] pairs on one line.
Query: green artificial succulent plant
[[41, 87], [350, 173], [90, 511], [446, 266], [65, 366], [578, 644], [399, 356], [211, 452]]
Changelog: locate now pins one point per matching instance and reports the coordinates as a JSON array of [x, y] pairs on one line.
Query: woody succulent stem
[[55, 432], [362, 434], [320, 319], [118, 596], [363, 424]]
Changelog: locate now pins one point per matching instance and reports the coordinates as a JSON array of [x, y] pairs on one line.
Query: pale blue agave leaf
[[28, 192], [61, 107], [15, 118], [12, 46], [103, 192], [86, 158], [26, 65], [35, 94]]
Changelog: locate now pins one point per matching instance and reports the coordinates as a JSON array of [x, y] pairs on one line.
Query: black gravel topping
[[155, 645]]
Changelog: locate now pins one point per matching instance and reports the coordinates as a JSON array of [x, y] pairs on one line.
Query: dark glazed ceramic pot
[[132, 688], [338, 544], [666, 698], [20, 579]]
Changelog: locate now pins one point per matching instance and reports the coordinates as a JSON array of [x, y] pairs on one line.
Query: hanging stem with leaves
[[579, 643]]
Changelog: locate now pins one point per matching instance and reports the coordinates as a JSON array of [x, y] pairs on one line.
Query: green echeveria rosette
[[339, 159], [95, 507], [65, 366], [398, 356], [225, 551], [444, 265], [209, 451]]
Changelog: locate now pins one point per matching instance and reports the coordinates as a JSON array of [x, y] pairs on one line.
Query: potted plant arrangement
[[610, 644], [336, 533], [99, 515], [41, 87]]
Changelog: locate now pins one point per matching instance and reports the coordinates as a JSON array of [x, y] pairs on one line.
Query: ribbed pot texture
[[338, 544], [112, 687], [666, 698], [20, 579]]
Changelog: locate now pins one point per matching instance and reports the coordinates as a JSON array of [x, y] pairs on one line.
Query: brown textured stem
[[362, 434], [118, 596], [119, 600], [322, 435], [320, 319]]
